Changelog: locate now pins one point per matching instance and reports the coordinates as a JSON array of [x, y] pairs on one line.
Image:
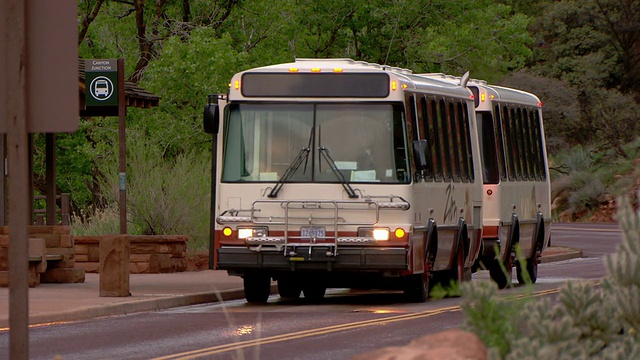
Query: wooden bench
[[38, 259]]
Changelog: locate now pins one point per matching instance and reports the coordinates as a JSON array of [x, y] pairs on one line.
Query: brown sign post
[[39, 93], [104, 84]]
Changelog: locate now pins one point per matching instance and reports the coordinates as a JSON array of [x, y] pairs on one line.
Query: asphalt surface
[[50, 303]]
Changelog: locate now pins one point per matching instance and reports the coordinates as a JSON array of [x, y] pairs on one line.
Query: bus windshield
[[345, 142]]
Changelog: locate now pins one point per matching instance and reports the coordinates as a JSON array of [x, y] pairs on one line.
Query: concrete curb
[[560, 254], [552, 254], [138, 306]]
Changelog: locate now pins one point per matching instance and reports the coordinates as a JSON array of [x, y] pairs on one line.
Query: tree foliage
[[184, 50]]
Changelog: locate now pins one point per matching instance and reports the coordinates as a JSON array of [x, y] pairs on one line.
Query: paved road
[[345, 324]]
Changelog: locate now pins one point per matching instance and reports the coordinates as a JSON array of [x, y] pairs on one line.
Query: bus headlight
[[379, 234], [244, 233]]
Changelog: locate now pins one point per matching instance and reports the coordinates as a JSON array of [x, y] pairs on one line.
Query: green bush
[[96, 221], [165, 196]]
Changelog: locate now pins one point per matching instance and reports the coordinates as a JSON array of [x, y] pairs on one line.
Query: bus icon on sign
[[101, 88]]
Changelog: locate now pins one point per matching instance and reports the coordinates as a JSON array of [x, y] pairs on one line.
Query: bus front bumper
[[314, 258]]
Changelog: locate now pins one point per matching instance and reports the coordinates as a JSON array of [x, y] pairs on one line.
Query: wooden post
[[15, 39]]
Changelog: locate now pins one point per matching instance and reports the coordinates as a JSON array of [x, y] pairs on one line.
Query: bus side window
[[543, 160], [441, 120], [422, 122], [467, 139], [509, 147], [453, 147], [432, 137], [497, 116], [490, 173]]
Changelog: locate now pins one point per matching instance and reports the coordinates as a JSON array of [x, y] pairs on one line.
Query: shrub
[[588, 321], [165, 196], [96, 221]]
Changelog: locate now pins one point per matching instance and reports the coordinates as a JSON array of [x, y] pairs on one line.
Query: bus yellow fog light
[[399, 233], [227, 231]]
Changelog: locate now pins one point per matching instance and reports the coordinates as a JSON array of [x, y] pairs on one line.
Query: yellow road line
[[194, 354], [304, 333]]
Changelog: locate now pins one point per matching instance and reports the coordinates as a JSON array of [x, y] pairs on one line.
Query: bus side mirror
[[420, 154], [211, 116]]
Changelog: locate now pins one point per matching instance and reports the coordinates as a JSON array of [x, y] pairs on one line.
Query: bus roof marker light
[[293, 70], [315, 70], [404, 86], [394, 85], [482, 97], [236, 84], [337, 70]]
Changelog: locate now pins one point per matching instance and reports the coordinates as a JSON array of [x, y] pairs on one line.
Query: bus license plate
[[311, 232]]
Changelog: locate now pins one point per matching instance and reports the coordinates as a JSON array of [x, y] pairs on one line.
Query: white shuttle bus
[[334, 173], [515, 173]]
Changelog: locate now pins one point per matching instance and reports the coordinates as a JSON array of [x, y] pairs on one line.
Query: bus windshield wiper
[[302, 156], [324, 152]]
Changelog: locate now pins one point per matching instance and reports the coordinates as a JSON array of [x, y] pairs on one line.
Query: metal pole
[[50, 150], [122, 177], [212, 220], [15, 38], [3, 179]]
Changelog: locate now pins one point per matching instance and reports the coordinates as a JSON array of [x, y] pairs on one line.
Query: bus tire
[[289, 288], [458, 273], [532, 262], [314, 292], [418, 286], [257, 288]]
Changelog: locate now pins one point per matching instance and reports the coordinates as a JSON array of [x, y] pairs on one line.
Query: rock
[[450, 345]]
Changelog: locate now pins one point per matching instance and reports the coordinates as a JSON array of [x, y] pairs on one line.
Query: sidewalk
[[67, 302]]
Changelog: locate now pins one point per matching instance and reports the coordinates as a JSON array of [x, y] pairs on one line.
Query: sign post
[[104, 84]]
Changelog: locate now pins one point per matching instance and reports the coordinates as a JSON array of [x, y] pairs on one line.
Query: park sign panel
[[101, 82]]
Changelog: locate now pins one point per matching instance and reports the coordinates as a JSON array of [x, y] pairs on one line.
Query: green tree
[[593, 43], [185, 74]]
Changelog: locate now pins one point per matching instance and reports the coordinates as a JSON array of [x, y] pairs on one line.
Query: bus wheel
[[417, 287], [314, 292], [257, 288], [502, 277], [532, 269], [289, 288]]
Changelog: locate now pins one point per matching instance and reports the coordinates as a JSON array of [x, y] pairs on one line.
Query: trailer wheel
[[257, 288]]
